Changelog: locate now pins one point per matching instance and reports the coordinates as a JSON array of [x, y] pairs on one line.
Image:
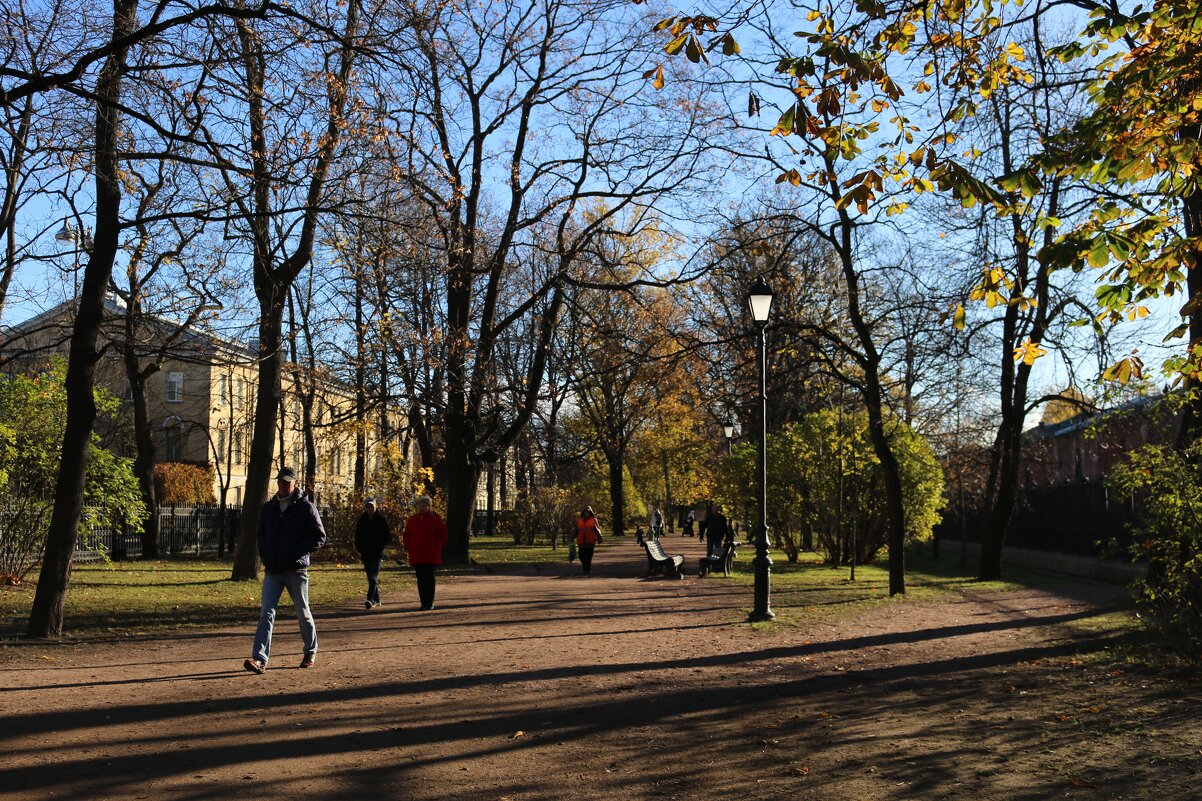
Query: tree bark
[[8, 209], [1191, 418], [462, 477], [46, 616], [360, 392], [259, 463], [144, 458], [617, 491]]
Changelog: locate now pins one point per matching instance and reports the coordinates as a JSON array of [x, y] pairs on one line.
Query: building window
[[175, 387], [220, 443], [338, 461], [171, 449], [223, 387], [237, 447], [240, 393]]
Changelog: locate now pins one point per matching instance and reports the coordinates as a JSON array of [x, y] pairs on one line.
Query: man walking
[[424, 536], [289, 530], [371, 535]]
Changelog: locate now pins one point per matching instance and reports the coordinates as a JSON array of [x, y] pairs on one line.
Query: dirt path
[[548, 685]]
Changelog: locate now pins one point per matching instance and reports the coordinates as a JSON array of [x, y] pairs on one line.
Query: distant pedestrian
[[687, 531], [588, 537], [289, 530], [424, 537], [657, 524], [639, 536], [717, 531], [371, 535]]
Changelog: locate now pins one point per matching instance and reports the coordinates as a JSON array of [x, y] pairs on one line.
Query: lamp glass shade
[[67, 233], [759, 300], [730, 431]]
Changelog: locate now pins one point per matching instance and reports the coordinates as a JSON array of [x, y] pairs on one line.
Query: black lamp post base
[[761, 617]]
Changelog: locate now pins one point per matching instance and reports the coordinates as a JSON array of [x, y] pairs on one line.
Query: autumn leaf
[[1028, 352]]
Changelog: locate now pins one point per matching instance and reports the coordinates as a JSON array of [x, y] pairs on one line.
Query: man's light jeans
[[273, 587]]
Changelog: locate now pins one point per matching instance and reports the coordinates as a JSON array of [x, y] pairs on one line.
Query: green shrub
[[1168, 538]]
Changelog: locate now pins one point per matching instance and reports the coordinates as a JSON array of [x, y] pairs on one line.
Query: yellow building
[[201, 401]]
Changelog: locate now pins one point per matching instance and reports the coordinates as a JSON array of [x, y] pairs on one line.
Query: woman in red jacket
[[425, 534], [588, 536]]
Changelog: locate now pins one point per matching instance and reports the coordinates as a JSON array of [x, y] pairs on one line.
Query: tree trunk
[[144, 444], [360, 393], [1191, 418], [617, 492], [259, 466], [895, 510], [669, 510], [46, 616], [462, 477], [8, 209]]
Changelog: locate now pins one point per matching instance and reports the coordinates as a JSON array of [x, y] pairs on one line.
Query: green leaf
[[1177, 332]]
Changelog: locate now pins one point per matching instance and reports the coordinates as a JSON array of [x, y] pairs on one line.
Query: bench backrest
[[722, 551], [656, 550]]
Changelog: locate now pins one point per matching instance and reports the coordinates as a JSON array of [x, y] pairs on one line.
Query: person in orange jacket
[[425, 534], [588, 537]]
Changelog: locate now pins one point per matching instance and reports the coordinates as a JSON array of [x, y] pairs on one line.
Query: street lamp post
[[78, 240], [729, 430], [759, 301]]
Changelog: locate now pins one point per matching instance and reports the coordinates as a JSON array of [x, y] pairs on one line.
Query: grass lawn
[[144, 598], [135, 598], [809, 590], [502, 551], [141, 598]]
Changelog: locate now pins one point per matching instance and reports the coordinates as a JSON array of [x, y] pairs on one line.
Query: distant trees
[[508, 121], [826, 481]]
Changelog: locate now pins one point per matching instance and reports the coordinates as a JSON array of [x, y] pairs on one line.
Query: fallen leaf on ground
[[518, 734]]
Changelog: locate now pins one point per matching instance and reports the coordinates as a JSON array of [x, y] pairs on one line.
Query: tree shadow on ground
[[753, 714]]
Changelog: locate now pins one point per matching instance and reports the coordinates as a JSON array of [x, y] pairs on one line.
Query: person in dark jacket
[[424, 536], [289, 530], [717, 531], [371, 535]]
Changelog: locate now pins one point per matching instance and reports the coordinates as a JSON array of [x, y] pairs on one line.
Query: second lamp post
[[759, 301]]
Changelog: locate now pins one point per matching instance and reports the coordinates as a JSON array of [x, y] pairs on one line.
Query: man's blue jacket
[[287, 538]]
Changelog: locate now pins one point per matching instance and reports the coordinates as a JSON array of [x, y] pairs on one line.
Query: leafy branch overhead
[[888, 84]]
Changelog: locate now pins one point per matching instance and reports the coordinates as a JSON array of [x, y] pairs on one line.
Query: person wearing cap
[[371, 535], [588, 537], [289, 530], [424, 536]]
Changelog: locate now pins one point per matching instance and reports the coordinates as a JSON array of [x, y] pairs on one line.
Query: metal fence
[[1081, 518], [183, 531]]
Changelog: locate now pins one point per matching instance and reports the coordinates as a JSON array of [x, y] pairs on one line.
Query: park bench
[[722, 557], [660, 562]]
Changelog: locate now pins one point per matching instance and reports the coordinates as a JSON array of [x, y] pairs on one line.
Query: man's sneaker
[[368, 604], [254, 666], [308, 661]]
